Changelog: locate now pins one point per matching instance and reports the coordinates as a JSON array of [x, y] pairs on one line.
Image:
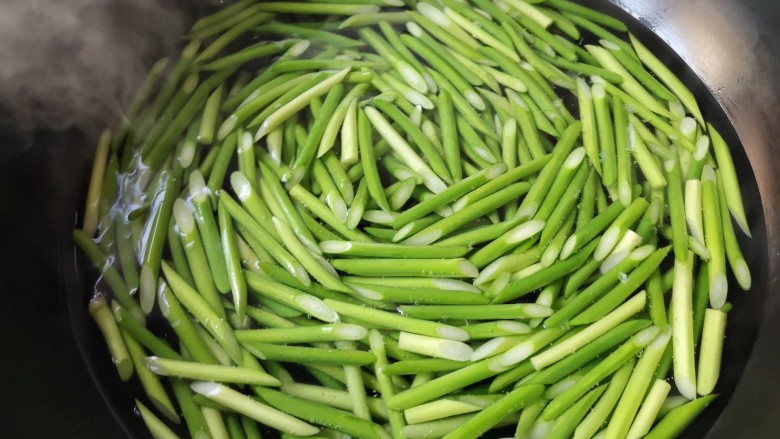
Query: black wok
[[57, 380]]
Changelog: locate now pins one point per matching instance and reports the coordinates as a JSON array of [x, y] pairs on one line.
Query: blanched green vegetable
[[415, 219]]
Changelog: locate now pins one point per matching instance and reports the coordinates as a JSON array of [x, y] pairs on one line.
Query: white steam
[[76, 63]]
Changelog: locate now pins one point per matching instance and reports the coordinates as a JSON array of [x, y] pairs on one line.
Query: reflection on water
[[700, 41], [726, 44]]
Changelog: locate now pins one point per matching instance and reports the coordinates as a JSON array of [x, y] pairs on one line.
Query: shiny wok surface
[[733, 46]]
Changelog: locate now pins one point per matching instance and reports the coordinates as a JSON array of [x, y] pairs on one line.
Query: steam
[[76, 63]]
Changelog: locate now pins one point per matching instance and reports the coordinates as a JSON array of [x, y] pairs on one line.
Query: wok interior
[[743, 321]]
